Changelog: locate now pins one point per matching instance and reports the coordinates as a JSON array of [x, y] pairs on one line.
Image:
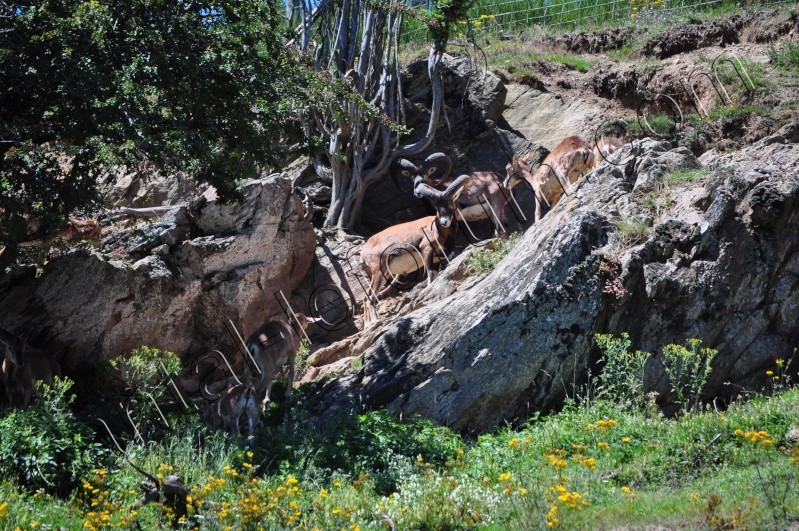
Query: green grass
[[518, 59], [729, 112], [559, 15], [658, 124], [632, 230], [625, 53], [685, 176], [423, 477], [737, 74], [786, 57], [657, 200], [575, 62], [485, 260]]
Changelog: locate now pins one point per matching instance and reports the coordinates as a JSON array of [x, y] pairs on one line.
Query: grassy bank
[[593, 465]]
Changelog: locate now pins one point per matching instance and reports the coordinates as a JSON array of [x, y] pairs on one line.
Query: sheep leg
[[427, 260], [290, 380]]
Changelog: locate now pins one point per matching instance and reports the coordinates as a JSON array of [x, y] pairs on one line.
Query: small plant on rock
[[622, 377], [688, 369]]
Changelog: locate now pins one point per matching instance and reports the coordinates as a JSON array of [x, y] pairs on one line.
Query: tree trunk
[[356, 44]]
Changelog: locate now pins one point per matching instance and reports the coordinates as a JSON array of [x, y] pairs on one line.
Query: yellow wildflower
[[552, 516], [505, 476], [556, 461]]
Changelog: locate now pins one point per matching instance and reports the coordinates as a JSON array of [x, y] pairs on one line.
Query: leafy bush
[[485, 260], [366, 442], [622, 376], [145, 375], [688, 370], [45, 446]]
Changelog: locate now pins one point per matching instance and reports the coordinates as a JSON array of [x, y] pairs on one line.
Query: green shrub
[[786, 57], [631, 231], [485, 260], [45, 446], [145, 375], [302, 354], [688, 369], [622, 376]]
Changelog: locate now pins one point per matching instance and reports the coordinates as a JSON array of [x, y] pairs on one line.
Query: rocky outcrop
[[171, 284], [720, 264], [144, 186]]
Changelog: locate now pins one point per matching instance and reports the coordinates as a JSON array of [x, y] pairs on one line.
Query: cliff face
[[172, 284], [721, 263]]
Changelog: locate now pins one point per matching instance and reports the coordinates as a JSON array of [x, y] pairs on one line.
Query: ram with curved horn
[[484, 197], [563, 167], [21, 367], [408, 247]]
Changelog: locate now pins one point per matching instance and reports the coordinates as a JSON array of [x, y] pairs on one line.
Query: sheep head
[[444, 201]]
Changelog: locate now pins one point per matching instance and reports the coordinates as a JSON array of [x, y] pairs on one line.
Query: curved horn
[[399, 166], [423, 189], [437, 158], [456, 187]]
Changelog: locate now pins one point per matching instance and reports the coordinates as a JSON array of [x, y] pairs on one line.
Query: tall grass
[[514, 15]]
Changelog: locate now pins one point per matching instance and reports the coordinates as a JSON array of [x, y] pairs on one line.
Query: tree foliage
[[201, 87]]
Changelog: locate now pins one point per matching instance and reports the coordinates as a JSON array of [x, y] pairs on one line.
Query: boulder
[[720, 264], [172, 284]]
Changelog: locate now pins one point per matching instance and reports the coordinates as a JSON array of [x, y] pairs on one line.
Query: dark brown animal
[[407, 247], [605, 147], [81, 229], [483, 196], [21, 367], [239, 403], [272, 346]]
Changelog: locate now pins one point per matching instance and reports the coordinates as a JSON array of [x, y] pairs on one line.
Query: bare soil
[[714, 76]]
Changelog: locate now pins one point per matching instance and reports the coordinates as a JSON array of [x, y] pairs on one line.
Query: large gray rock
[[143, 186], [721, 264], [171, 284]]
